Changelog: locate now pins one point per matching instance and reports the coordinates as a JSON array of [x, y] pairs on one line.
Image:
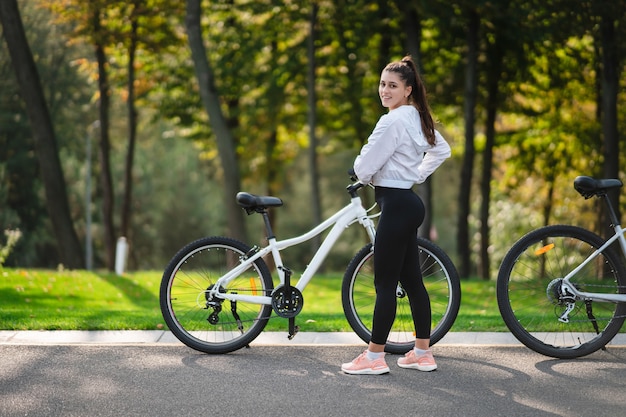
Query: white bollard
[[121, 251]]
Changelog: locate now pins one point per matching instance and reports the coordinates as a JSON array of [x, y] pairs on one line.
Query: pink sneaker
[[363, 366], [424, 362]]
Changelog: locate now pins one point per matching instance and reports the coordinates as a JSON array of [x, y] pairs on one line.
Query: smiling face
[[392, 90]]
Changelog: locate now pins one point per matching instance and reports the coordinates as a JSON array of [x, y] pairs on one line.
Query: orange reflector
[[253, 286], [544, 249]]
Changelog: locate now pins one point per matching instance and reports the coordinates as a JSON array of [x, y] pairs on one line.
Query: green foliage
[[22, 205], [547, 127], [176, 202], [554, 133], [509, 221]]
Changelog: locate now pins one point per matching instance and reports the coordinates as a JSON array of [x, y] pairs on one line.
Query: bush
[[12, 237]]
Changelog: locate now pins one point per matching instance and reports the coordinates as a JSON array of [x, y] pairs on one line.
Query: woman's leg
[[413, 284], [402, 213]]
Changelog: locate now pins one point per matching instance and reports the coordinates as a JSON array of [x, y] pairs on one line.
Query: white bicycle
[[561, 289], [217, 294]]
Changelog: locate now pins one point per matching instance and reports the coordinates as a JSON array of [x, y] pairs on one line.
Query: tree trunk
[[493, 81], [312, 120], [549, 203], [106, 182], [610, 90], [70, 251], [211, 103], [471, 81], [132, 132]]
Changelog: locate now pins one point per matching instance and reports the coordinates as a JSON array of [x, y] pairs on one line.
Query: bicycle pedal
[[295, 331]]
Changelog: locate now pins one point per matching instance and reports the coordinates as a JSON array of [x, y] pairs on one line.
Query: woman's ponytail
[[407, 70]]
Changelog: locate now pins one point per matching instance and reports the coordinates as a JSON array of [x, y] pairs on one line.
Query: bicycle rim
[[213, 325], [441, 281], [528, 292]]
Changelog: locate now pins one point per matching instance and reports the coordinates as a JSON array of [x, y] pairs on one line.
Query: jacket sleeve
[[376, 152], [434, 157]]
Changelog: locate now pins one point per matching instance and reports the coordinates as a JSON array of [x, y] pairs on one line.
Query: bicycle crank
[[287, 302]]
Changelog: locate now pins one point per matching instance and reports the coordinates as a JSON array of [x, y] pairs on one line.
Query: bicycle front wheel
[[530, 297], [442, 283], [214, 325]]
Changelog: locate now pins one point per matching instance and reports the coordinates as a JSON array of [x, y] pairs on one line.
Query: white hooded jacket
[[397, 153]]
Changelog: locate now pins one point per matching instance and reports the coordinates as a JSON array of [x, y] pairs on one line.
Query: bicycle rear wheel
[[528, 291], [213, 325], [440, 278]]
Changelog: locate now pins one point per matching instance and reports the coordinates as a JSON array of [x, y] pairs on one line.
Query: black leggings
[[396, 259]]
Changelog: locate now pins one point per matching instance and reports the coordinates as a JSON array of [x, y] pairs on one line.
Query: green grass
[[78, 300], [82, 300]]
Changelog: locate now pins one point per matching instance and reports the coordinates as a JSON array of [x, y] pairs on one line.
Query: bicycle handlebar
[[352, 175], [353, 188], [356, 185]]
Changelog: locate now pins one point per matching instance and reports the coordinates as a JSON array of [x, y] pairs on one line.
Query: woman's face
[[392, 90]]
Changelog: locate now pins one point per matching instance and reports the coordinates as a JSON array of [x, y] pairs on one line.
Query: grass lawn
[[83, 300]]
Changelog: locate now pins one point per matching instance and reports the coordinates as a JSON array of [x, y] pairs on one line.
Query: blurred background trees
[[186, 102]]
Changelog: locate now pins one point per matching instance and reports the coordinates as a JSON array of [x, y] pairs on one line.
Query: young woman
[[403, 150]]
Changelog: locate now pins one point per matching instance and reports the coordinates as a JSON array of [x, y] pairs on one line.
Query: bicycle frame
[[600, 297], [351, 213]]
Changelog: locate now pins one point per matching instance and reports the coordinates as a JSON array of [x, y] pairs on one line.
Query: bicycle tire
[[530, 306], [185, 307], [440, 278]]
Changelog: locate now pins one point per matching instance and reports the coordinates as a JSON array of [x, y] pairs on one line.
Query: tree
[[99, 36], [503, 40], [608, 14], [43, 133], [133, 41], [469, 116], [144, 29], [312, 121], [211, 103], [495, 53], [90, 21]]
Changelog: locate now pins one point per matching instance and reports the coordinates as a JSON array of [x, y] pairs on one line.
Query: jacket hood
[[414, 129]]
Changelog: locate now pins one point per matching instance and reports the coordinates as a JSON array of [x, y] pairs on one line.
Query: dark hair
[[407, 70]]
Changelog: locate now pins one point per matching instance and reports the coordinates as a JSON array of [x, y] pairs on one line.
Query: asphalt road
[[172, 380]]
